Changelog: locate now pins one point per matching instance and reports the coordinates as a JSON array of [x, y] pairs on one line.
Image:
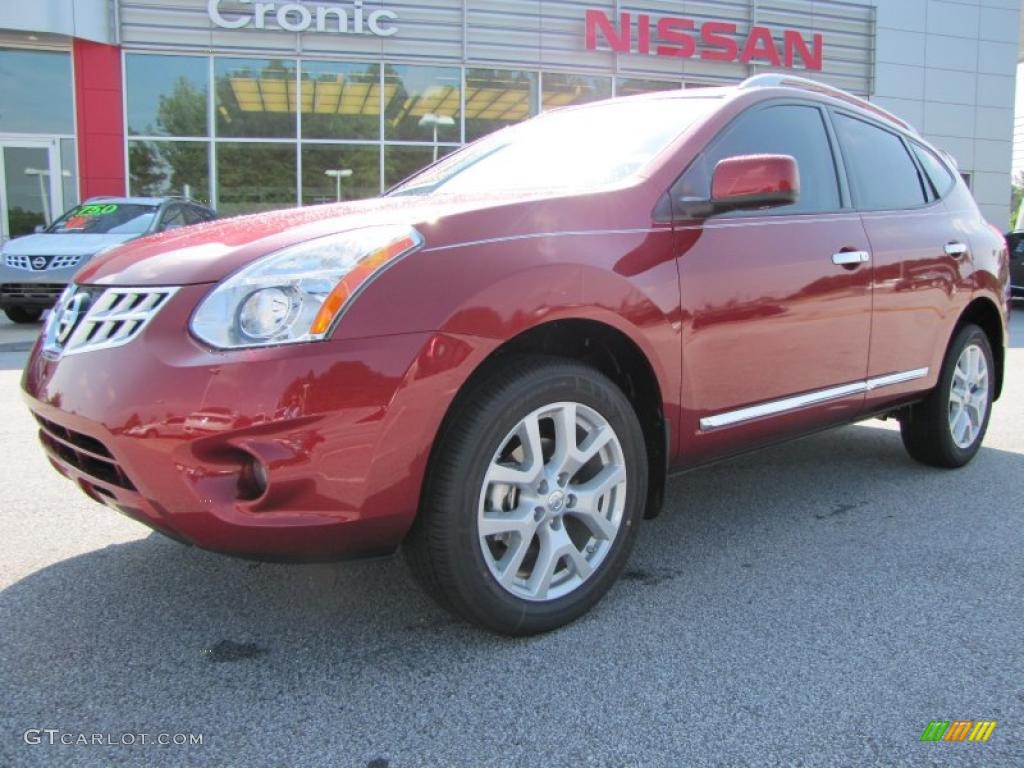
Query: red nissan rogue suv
[[495, 365]]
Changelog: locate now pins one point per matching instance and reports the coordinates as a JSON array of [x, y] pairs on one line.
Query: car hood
[[209, 252], [63, 245]]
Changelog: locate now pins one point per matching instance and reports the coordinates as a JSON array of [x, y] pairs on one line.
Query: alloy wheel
[[968, 396], [552, 501]]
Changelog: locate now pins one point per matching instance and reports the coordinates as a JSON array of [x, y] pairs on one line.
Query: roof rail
[[776, 80]]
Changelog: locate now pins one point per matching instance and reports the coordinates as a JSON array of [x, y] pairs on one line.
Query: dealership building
[[259, 105]]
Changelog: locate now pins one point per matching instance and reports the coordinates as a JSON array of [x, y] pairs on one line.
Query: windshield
[[105, 219], [582, 147]]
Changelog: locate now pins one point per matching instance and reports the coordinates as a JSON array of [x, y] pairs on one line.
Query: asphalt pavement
[[815, 604]]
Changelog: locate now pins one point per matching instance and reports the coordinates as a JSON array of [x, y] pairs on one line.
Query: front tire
[[533, 497], [23, 316], [947, 429]]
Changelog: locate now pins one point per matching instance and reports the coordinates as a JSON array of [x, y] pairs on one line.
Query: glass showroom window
[[158, 168], [423, 104], [336, 172], [630, 86], [256, 98], [255, 176], [167, 95], [37, 94], [496, 98], [561, 90], [401, 162], [340, 101], [69, 171]]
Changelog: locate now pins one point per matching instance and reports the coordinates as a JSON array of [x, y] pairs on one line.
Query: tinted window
[[939, 175], [882, 172], [195, 215], [105, 219], [174, 218], [784, 130]]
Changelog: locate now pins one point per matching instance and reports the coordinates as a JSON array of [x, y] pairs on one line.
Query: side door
[[776, 304], [921, 253]]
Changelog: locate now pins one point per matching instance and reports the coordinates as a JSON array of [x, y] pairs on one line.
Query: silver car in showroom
[[35, 268]]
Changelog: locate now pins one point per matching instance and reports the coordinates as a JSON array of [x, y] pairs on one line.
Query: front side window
[[881, 170], [589, 147], [105, 219], [797, 131]]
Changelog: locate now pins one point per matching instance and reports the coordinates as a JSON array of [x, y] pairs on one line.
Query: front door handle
[[850, 258], [956, 250]]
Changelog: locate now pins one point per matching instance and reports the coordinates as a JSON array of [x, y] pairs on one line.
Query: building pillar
[[100, 119]]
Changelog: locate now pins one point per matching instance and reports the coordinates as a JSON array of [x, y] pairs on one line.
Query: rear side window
[[195, 215], [881, 170], [938, 174], [793, 130]]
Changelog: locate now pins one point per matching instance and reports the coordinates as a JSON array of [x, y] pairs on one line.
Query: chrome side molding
[[795, 403]]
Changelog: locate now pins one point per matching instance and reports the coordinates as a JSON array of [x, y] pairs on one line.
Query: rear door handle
[[956, 250], [850, 258]]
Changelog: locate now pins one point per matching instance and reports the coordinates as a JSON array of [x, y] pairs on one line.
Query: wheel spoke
[[977, 361], [592, 445], [532, 444], [509, 475], [565, 436], [521, 522], [580, 564], [962, 428], [509, 565], [544, 567], [588, 496]]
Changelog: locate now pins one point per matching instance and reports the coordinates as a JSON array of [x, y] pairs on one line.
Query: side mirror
[[748, 182], [755, 181], [39, 229]]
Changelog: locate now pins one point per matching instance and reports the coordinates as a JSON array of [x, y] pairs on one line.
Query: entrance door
[[30, 186]]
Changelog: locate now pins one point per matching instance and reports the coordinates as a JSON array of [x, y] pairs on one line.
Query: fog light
[[252, 482]]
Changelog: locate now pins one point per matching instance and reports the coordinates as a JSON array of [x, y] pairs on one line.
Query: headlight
[[297, 294]]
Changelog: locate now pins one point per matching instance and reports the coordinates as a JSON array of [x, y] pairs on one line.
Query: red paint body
[[100, 119], [729, 312]]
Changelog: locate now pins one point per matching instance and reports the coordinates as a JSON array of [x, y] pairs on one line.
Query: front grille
[[86, 454], [31, 291], [33, 263], [88, 318], [64, 262]]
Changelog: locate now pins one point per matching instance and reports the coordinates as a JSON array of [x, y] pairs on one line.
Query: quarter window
[[797, 131], [940, 176], [883, 174]]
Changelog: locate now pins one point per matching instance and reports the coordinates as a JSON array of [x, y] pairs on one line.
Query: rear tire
[[23, 316], [947, 429], [523, 529]]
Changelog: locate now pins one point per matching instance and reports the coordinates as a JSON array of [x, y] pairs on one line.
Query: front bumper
[[32, 289], [166, 432]]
